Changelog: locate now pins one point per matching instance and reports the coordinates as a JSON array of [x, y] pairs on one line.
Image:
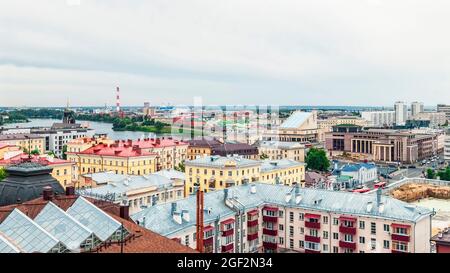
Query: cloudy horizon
[[283, 52]]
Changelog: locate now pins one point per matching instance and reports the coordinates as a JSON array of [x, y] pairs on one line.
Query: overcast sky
[[315, 52]]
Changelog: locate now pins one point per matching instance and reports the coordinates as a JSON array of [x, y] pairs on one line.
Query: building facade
[[299, 127], [275, 150], [326, 125], [262, 217], [401, 113], [379, 118], [27, 142], [444, 108]]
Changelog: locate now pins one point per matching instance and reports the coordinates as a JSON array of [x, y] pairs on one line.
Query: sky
[[267, 52]]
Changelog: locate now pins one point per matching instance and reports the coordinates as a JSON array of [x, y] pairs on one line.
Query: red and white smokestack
[[117, 99]]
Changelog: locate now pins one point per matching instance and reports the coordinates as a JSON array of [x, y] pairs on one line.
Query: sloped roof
[[295, 120]]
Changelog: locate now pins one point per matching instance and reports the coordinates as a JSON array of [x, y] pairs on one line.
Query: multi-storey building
[[137, 192], [326, 125], [64, 171], [436, 119], [7, 151], [121, 158], [382, 145], [447, 147], [275, 150], [259, 217], [84, 143], [416, 108], [27, 142], [445, 108], [201, 147], [401, 113], [379, 118], [215, 172], [205, 147]]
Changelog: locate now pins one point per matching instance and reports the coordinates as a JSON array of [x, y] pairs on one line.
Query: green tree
[[316, 159], [3, 174], [35, 152], [181, 167], [64, 151], [444, 175], [159, 126], [263, 156], [431, 174]]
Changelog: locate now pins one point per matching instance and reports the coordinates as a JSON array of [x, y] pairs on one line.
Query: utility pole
[[199, 225]]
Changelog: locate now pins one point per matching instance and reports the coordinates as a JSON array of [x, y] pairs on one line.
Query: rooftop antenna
[[117, 99]]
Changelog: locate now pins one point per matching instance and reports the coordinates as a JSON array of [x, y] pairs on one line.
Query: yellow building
[[62, 170], [121, 159], [284, 171], [276, 150], [201, 147], [24, 141], [215, 172], [6, 150]]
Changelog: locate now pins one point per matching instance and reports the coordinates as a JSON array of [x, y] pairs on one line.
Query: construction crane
[[199, 225]]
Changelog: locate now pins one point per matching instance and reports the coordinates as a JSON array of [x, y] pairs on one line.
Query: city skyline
[[357, 53]]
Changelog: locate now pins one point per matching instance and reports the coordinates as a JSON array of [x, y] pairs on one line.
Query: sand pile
[[413, 192]]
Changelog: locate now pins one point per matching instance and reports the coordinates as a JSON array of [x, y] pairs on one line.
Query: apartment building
[[201, 147], [261, 217], [282, 171], [137, 192], [28, 142], [401, 113], [275, 150], [121, 158], [382, 145], [447, 147], [444, 108], [64, 171], [7, 151], [215, 172], [435, 119], [83, 143], [379, 118]]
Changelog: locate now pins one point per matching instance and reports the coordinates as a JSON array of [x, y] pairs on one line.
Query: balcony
[[347, 230], [350, 245], [268, 245], [228, 247], [400, 237], [313, 239], [271, 219], [252, 223], [398, 251], [271, 232], [312, 225], [226, 233], [251, 237], [208, 241], [312, 251]]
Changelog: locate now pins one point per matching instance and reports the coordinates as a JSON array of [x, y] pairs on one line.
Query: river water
[[99, 127]]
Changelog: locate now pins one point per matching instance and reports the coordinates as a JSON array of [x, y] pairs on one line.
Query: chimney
[[47, 193], [124, 212], [174, 208], [70, 190], [253, 188], [225, 192], [378, 196], [185, 215], [177, 217]]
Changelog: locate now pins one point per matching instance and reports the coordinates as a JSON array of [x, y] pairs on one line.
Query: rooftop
[[222, 162], [295, 120], [159, 219], [116, 150], [271, 165], [44, 160], [19, 137], [280, 144]]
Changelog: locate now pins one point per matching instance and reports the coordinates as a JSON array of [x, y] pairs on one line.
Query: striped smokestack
[[117, 99]]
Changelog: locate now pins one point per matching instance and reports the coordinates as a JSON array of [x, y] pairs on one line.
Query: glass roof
[[26, 234], [62, 226], [6, 246], [103, 225]]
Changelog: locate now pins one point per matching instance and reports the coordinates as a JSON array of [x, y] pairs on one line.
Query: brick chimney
[[47, 193], [124, 212], [70, 190]]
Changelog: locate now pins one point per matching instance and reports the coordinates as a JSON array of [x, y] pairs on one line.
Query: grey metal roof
[[159, 219], [7, 246], [280, 144], [171, 174], [295, 120], [63, 226], [271, 165], [89, 215], [121, 184], [220, 161], [28, 235]]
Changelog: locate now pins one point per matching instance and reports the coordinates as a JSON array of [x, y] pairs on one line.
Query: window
[[302, 230], [325, 248], [301, 244], [291, 217], [281, 240], [314, 232], [325, 234], [362, 240], [348, 238], [386, 228], [291, 243], [335, 221], [335, 249], [281, 227], [386, 244], [301, 216], [325, 220], [362, 224], [291, 231], [186, 240], [373, 228], [335, 236], [280, 213], [373, 243]]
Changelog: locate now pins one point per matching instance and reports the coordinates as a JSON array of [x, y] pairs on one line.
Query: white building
[[401, 113], [379, 118], [447, 147], [416, 108]]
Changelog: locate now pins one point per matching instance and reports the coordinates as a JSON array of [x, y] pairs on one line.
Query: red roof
[[34, 158], [117, 150], [157, 142], [141, 240]]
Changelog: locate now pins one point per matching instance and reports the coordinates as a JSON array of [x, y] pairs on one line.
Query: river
[[99, 127]]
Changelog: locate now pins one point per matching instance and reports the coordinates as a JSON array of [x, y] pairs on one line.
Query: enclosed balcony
[[227, 248], [271, 232], [350, 245], [269, 245], [314, 225], [313, 239], [251, 237]]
